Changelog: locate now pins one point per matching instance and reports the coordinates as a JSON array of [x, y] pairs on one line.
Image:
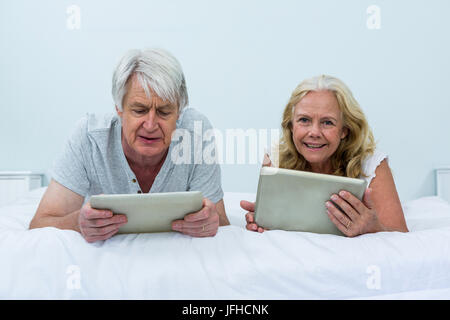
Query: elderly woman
[[130, 151], [325, 131]]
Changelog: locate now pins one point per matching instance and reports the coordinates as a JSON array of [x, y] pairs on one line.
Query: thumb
[[267, 162], [247, 205], [367, 200]]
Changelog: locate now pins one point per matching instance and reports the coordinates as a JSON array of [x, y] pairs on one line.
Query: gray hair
[[156, 69]]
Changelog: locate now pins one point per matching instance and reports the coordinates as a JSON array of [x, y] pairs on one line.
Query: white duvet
[[49, 263]]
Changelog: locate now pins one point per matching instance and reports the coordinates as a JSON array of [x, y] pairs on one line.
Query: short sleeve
[[206, 175], [206, 178], [69, 169], [371, 163]]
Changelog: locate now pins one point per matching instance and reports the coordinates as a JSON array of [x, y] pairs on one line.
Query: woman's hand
[[250, 206], [358, 217], [250, 216]]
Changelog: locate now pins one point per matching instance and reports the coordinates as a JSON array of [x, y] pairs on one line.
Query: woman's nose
[[314, 130]]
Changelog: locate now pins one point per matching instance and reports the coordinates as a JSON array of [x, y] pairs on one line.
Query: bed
[[49, 263]]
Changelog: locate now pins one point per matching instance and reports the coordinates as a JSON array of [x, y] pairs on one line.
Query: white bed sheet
[[49, 263]]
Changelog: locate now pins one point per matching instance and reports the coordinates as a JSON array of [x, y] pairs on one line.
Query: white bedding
[[49, 263]]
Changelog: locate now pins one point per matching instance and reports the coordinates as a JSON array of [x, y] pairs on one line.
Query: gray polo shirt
[[93, 161]]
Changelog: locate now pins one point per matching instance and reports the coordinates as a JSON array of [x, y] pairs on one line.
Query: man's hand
[[203, 223], [98, 225]]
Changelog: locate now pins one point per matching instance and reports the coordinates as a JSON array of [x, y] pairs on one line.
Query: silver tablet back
[[150, 212], [295, 200]]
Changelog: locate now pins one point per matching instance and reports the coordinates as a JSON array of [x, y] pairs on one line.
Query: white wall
[[242, 59]]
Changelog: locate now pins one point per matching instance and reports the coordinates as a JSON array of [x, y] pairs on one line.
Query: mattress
[[49, 263]]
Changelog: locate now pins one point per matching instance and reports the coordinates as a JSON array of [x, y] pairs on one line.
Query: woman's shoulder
[[371, 163]]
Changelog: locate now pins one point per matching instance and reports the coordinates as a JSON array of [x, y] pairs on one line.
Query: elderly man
[[130, 151]]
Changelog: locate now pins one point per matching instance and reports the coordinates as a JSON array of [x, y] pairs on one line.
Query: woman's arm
[[386, 201], [380, 209]]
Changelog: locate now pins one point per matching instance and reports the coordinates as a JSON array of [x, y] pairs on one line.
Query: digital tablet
[[150, 212], [295, 200]]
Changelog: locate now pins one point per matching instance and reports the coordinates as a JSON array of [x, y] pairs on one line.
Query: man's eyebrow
[[171, 106], [139, 104]]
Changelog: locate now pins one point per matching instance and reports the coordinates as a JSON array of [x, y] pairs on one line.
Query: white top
[[371, 163]]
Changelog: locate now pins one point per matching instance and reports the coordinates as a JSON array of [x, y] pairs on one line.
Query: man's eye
[[163, 113], [139, 111]]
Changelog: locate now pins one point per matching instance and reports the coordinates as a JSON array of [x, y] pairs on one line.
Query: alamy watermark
[[213, 146], [374, 280], [373, 21], [73, 281], [73, 21]]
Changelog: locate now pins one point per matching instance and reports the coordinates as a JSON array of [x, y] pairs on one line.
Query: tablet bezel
[[139, 208], [280, 205]]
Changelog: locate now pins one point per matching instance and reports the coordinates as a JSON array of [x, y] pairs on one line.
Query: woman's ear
[[344, 133]]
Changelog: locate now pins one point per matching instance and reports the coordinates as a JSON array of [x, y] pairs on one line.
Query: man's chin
[[151, 150]]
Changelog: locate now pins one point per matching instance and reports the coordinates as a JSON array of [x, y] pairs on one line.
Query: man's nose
[[150, 121]]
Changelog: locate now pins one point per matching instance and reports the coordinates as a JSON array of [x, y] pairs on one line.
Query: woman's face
[[317, 129]]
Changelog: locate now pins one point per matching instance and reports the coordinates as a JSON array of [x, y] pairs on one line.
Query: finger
[[96, 223], [199, 224], [345, 206], [250, 217], [266, 161], [337, 223], [354, 201], [92, 232], [90, 213], [251, 226], [247, 205], [367, 199], [91, 239], [199, 230], [343, 220], [203, 213]]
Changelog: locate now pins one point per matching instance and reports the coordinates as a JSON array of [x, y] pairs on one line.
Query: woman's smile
[[314, 146]]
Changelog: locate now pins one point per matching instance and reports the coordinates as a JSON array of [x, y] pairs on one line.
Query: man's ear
[[119, 113]]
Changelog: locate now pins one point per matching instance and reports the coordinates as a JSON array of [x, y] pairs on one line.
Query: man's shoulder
[[188, 118], [96, 122], [94, 127]]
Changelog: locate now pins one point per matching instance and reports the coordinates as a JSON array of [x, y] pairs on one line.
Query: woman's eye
[[303, 120], [328, 123]]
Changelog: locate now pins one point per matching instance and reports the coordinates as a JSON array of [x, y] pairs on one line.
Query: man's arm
[[223, 220], [59, 208], [62, 208]]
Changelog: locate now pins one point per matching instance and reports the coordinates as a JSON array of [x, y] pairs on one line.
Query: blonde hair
[[352, 150]]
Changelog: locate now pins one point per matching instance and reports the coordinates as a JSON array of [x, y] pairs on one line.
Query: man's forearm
[[66, 222]]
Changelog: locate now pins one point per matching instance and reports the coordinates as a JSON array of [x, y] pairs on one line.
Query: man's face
[[147, 124]]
